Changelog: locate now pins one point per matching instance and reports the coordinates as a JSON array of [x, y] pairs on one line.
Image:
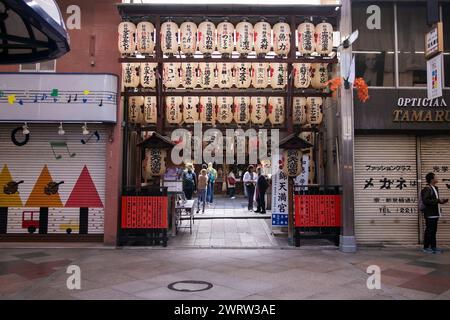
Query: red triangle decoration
[[84, 193]]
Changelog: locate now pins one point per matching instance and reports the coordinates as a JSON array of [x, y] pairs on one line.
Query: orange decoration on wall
[[38, 197], [360, 85]]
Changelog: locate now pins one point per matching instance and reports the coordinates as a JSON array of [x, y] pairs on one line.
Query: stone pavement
[[142, 273]]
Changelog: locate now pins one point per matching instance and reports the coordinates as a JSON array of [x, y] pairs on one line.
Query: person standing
[[250, 183], [431, 207], [212, 175], [189, 181], [261, 186], [201, 189], [231, 185]]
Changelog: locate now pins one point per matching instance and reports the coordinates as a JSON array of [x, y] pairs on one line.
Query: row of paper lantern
[[188, 37], [209, 110], [208, 75]]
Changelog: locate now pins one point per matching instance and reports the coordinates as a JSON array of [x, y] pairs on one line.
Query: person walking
[[250, 183], [189, 181], [201, 189], [231, 185], [212, 175], [261, 187], [431, 208]]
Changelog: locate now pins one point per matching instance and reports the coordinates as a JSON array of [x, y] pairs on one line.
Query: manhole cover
[[190, 286]]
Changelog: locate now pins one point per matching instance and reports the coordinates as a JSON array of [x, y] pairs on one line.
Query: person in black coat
[[432, 211], [261, 187]]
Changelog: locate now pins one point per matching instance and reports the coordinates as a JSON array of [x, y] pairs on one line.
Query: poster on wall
[[434, 77], [280, 207]]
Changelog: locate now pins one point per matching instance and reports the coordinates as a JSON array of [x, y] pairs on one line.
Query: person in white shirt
[[249, 180]]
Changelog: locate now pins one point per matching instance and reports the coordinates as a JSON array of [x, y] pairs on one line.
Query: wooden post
[[291, 210]]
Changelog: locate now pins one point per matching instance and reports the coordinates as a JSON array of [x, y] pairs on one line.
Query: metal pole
[[347, 238]]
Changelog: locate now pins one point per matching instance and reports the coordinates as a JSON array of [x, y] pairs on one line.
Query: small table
[[186, 210]]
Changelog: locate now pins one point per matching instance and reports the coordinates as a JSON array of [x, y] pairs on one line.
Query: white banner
[[434, 77], [302, 179]]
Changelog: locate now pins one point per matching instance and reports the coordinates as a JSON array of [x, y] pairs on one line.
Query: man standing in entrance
[[432, 211], [261, 188], [189, 181], [249, 183]]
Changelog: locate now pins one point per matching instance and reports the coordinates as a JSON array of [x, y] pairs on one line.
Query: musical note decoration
[[55, 92], [35, 99], [101, 103], [11, 98], [60, 144], [86, 92], [96, 134], [70, 99], [21, 102]]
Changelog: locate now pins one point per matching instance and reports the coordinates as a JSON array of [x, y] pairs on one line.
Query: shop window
[[46, 66], [375, 47], [446, 25], [412, 27]]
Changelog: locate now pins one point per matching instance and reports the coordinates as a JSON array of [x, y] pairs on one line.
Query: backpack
[[188, 180], [212, 175]]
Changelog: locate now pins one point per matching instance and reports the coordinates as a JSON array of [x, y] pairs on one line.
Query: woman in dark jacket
[[261, 187]]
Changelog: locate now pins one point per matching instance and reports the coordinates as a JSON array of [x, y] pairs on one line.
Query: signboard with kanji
[[317, 210], [144, 212]]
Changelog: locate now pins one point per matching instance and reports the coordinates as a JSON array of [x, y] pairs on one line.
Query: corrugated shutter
[[83, 175], [435, 157], [382, 215]]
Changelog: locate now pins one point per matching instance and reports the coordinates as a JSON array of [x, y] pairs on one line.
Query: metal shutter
[[27, 163], [435, 157], [389, 153]]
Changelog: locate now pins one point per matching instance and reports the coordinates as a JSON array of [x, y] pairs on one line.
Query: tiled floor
[[137, 273]]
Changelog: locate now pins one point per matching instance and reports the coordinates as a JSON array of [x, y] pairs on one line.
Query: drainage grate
[[190, 286]]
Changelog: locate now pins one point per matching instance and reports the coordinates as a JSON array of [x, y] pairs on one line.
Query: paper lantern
[[173, 110], [154, 163], [262, 37], [276, 110], [208, 110], [144, 37], [258, 114], [306, 41], [314, 111], [299, 111], [324, 38], [171, 75], [135, 109], [225, 38], [189, 71], [206, 37], [292, 165], [207, 74], [148, 75], [150, 110], [169, 38], [224, 109], [188, 38], [130, 75], [302, 75], [190, 109], [126, 42], [260, 75], [244, 37], [242, 75], [241, 110], [307, 136], [225, 75], [281, 38], [278, 75], [319, 75]]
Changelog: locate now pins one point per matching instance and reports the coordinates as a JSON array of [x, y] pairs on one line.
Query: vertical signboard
[[280, 207], [434, 77]]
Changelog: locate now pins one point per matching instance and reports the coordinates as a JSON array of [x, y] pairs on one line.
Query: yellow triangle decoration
[[8, 200], [38, 198]]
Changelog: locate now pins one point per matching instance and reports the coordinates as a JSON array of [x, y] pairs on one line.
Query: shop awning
[[31, 31]]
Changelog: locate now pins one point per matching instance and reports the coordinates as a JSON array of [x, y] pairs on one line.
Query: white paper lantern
[[208, 110], [258, 114], [299, 111], [224, 109], [144, 37], [307, 136], [314, 111], [244, 37], [241, 110], [148, 74], [292, 165], [207, 74], [278, 75], [225, 75], [150, 110], [242, 75], [169, 38], [135, 109], [276, 110], [188, 38], [260, 75], [130, 75], [171, 75], [319, 75], [206, 37], [173, 110], [281, 38], [190, 109], [225, 38], [189, 71], [262, 37], [302, 75], [324, 38], [126, 38], [154, 163], [306, 41]]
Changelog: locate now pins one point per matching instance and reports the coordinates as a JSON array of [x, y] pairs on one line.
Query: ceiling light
[[85, 129], [61, 131], [25, 129]]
